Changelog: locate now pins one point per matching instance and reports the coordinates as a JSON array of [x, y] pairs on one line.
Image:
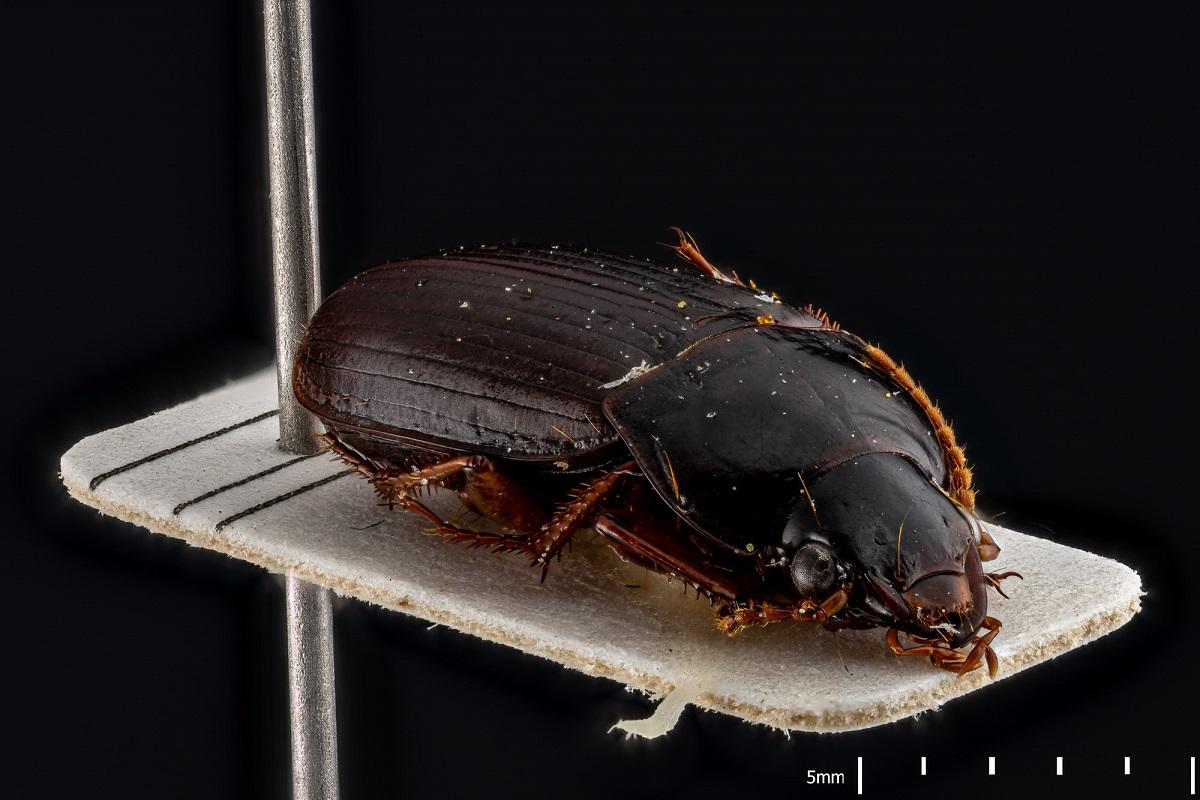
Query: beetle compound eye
[[814, 570]]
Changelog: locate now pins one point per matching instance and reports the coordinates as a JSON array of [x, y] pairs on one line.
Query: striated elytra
[[780, 465]]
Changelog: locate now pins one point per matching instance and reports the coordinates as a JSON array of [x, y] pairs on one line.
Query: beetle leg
[[939, 653], [690, 252], [366, 467], [733, 618], [496, 542], [993, 579], [398, 487], [495, 494], [947, 658], [578, 511], [988, 549], [982, 648], [642, 539]]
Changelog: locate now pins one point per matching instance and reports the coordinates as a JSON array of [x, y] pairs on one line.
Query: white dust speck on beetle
[[464, 304], [640, 369]]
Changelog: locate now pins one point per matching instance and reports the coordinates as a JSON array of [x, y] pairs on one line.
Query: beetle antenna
[[959, 473]]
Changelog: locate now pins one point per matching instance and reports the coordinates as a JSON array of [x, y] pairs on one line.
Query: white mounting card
[[595, 612]]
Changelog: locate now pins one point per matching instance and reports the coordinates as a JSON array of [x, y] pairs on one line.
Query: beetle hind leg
[[485, 488], [688, 249], [483, 485]]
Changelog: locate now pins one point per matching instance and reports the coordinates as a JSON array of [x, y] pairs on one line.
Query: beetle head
[[886, 547]]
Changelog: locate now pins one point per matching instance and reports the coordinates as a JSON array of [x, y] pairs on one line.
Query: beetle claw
[[942, 655], [993, 579]]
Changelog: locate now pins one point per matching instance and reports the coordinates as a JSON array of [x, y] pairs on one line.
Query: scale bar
[[922, 765], [991, 765], [1193, 770], [1058, 765], [1127, 772], [860, 774]]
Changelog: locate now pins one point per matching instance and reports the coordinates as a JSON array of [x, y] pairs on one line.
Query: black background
[[1006, 203]]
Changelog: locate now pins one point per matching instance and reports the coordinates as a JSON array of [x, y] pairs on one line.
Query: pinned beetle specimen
[[782, 466]]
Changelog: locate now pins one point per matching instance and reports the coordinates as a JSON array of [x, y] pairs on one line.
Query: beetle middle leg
[[547, 539], [646, 540]]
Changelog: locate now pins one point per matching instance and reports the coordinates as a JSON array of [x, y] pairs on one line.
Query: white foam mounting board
[[595, 613]]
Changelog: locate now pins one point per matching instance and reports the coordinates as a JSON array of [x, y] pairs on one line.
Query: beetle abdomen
[[506, 350]]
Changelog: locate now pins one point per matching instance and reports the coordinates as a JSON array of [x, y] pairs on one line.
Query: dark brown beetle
[[783, 467]]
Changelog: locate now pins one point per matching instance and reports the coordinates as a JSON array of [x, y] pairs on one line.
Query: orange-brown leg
[[988, 549], [652, 542], [649, 540], [577, 512], [400, 488], [942, 655], [993, 579], [736, 617], [690, 251], [492, 493], [982, 649]]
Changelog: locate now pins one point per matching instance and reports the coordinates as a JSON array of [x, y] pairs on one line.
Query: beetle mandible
[[555, 388]]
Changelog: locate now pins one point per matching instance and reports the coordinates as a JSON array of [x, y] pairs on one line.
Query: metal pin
[[292, 168], [291, 150], [310, 690]]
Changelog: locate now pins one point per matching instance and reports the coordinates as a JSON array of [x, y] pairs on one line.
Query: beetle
[[780, 465]]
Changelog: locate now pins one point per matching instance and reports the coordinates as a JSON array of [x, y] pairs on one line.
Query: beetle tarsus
[[993, 579], [733, 618], [688, 249], [944, 656], [496, 542]]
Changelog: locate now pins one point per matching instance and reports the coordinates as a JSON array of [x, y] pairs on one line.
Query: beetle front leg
[[987, 547], [736, 617], [947, 658]]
